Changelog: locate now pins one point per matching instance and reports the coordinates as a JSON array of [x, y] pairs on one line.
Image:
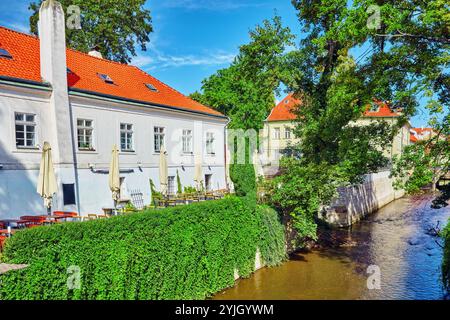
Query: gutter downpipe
[[225, 136]]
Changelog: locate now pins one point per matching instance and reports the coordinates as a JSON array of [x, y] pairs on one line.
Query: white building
[[83, 105]]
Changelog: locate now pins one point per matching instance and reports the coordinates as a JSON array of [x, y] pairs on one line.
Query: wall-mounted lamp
[[209, 168], [91, 166], [139, 164]]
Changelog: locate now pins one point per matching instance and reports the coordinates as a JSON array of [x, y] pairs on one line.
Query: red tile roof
[[383, 111], [413, 138], [421, 131], [129, 81], [284, 110]]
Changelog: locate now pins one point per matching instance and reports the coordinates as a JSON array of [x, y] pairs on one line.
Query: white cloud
[[19, 27], [141, 61], [156, 60]]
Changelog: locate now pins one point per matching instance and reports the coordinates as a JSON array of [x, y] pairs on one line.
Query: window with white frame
[[187, 141], [276, 133], [25, 130], [126, 137], [287, 133], [85, 130], [159, 137], [210, 141], [171, 185]]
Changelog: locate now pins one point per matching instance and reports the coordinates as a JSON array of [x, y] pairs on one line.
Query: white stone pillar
[[54, 71]]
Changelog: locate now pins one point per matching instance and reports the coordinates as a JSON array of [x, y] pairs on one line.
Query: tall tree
[[115, 27], [405, 59], [245, 90]]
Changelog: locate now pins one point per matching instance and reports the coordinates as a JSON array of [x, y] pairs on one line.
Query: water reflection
[[396, 239]]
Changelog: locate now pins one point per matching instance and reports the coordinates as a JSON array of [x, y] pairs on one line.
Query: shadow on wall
[[18, 194], [352, 204]]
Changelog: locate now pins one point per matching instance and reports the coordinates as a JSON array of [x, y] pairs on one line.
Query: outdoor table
[[8, 222]]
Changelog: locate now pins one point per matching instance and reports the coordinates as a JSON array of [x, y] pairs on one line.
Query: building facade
[[83, 105], [278, 133]]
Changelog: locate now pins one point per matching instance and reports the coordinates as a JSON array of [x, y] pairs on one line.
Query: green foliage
[[129, 207], [155, 194], [245, 90], [190, 189], [301, 190], [446, 261], [272, 241], [186, 252], [426, 161], [244, 179], [179, 186], [114, 26]]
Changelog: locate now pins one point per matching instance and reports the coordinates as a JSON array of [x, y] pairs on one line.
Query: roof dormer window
[[106, 78], [5, 54], [374, 107], [151, 87], [286, 101]]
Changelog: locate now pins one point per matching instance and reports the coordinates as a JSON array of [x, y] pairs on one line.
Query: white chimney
[[95, 53], [54, 71]]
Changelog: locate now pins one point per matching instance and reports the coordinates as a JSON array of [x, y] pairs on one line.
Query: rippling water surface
[[396, 239]]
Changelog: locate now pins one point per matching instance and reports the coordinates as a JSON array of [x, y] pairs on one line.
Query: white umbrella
[[114, 175], [47, 186], [198, 178], [163, 171]]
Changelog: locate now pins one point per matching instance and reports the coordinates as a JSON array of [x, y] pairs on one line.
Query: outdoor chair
[[31, 221], [92, 216], [2, 225], [2, 241]]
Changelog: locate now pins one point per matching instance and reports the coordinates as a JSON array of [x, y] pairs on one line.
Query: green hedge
[[446, 262], [272, 244], [186, 252]]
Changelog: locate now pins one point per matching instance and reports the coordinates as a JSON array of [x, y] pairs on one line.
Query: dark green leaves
[[116, 27]]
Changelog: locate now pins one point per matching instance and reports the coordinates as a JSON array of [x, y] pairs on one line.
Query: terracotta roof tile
[[284, 110], [129, 81]]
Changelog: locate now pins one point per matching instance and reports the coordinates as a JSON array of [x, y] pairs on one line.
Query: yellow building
[[278, 134]]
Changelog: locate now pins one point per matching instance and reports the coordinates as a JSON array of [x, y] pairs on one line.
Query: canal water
[[396, 241]]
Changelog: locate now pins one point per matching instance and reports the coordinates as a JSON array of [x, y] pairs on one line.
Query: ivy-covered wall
[[186, 252]]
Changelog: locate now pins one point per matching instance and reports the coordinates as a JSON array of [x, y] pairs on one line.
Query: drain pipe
[[225, 139]]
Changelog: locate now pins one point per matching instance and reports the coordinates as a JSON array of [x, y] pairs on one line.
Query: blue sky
[[192, 39]]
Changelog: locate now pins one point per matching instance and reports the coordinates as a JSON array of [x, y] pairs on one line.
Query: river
[[396, 240]]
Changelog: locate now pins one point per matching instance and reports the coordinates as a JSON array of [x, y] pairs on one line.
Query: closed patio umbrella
[[47, 186], [198, 178], [114, 175], [163, 171]]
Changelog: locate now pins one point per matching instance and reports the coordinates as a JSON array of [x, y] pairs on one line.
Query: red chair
[[65, 214], [31, 221], [2, 241]]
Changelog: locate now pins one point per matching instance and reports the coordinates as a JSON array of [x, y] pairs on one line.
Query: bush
[[446, 262], [244, 180], [272, 243], [186, 252]]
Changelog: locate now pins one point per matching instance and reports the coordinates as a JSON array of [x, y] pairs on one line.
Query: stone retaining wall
[[358, 201]]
